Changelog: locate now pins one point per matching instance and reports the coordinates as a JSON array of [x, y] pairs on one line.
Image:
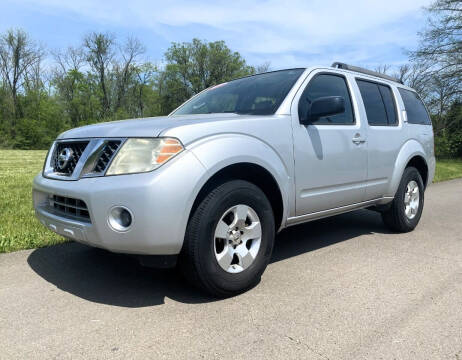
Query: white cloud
[[262, 28]]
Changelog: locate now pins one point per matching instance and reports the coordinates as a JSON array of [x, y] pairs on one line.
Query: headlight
[[143, 155]]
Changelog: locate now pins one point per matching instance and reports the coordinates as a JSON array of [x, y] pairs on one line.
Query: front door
[[331, 153]]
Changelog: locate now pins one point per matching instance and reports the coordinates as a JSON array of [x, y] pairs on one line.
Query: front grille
[[108, 152], [74, 149], [69, 207]]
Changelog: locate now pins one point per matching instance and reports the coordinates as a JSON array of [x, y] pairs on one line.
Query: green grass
[[19, 228], [447, 169]]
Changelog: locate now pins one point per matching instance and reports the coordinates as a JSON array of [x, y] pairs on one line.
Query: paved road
[[338, 288]]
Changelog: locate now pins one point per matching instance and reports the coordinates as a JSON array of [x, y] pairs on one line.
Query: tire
[[401, 217], [225, 206]]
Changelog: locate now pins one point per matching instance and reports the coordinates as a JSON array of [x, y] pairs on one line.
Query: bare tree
[[383, 69], [438, 93], [436, 70], [35, 76], [443, 94], [145, 74], [130, 52], [71, 59], [416, 76], [66, 78], [441, 42], [262, 68], [100, 54], [18, 55]]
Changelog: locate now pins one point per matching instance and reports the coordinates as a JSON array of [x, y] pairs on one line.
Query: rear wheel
[[229, 239], [406, 209]]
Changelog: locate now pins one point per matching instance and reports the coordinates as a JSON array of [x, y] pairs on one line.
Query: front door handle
[[358, 139]]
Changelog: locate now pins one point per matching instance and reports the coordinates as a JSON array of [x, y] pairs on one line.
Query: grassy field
[[448, 169], [18, 227], [20, 230]]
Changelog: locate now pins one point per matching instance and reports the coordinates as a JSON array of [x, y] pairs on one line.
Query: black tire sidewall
[[410, 174], [228, 195]]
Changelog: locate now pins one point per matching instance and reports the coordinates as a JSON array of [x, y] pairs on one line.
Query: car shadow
[[317, 234], [107, 278]]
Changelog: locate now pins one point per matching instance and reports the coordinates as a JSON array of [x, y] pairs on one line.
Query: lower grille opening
[[70, 207]]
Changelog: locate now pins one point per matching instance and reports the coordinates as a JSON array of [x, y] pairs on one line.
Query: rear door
[[385, 133]]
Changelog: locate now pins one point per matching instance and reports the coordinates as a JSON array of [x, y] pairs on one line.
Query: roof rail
[[344, 66]]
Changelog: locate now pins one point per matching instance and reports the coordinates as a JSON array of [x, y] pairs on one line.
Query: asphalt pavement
[[337, 288]]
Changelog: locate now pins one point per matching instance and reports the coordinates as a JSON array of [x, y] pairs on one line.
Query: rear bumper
[[160, 202]]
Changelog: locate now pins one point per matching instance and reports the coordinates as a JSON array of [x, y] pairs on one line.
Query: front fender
[[219, 151], [409, 149]]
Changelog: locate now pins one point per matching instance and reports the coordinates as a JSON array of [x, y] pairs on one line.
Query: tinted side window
[[372, 99], [416, 112], [390, 107], [327, 85]]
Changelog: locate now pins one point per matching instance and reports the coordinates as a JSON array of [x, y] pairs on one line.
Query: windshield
[[255, 95]]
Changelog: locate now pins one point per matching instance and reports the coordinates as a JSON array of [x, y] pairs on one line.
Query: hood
[[145, 127]]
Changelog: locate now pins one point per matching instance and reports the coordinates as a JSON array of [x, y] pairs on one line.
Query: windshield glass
[[255, 95]]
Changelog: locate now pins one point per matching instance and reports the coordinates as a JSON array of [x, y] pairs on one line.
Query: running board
[[339, 210]]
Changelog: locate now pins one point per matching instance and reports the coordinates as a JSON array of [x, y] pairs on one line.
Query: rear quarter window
[[415, 109]]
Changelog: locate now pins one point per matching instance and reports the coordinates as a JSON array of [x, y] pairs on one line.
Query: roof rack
[[344, 66]]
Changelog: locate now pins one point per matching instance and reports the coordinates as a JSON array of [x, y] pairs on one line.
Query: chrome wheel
[[411, 199], [237, 238]]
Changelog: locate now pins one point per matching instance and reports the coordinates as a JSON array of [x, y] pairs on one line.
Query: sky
[[287, 33]]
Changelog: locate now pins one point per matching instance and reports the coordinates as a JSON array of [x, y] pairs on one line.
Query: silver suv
[[210, 185]]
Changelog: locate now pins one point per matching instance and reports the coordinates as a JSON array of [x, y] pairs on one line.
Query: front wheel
[[406, 209], [229, 239]]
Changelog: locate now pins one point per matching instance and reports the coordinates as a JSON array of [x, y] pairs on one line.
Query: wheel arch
[[253, 173], [242, 156], [411, 154], [420, 164]]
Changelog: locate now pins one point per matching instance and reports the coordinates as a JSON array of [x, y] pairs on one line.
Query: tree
[[100, 80], [262, 68], [71, 59], [100, 53], [68, 81], [383, 69], [439, 61], [125, 70], [194, 66], [448, 142], [18, 55], [441, 42], [145, 95]]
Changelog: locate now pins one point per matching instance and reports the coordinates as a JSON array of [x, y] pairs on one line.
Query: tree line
[[43, 93], [435, 71]]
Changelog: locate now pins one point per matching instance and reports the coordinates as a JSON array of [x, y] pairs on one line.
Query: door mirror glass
[[324, 106]]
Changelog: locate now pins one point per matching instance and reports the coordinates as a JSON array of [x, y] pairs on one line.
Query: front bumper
[[160, 202]]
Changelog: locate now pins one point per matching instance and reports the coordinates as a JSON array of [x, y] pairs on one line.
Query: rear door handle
[[358, 139]]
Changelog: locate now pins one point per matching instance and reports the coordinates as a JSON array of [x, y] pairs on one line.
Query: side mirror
[[324, 106]]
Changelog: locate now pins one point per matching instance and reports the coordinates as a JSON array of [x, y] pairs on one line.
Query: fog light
[[120, 218]]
